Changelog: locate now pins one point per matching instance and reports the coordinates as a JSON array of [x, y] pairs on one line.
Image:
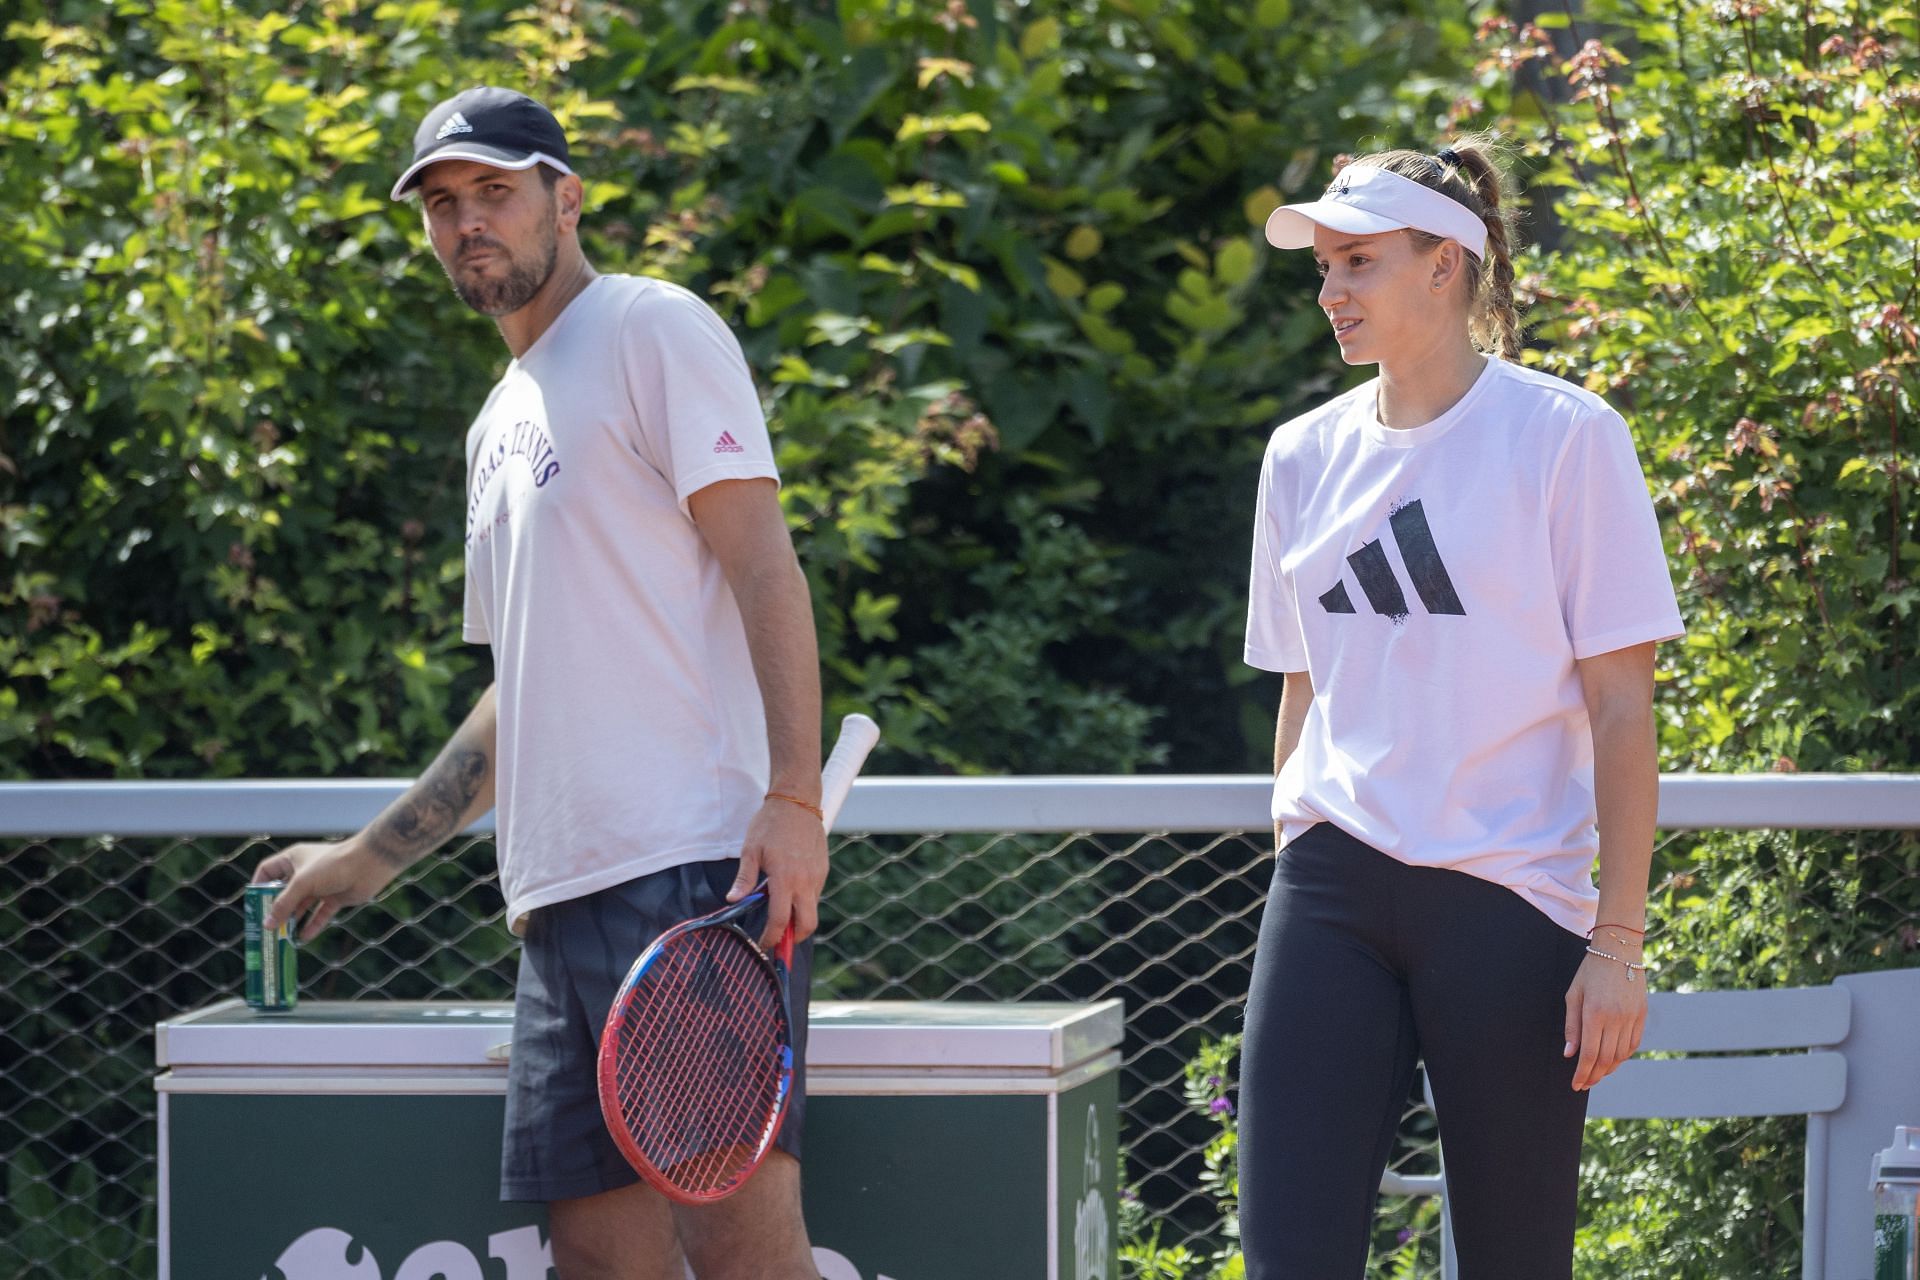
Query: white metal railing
[[888, 806], [1076, 808]]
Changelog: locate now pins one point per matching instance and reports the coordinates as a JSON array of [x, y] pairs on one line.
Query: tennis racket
[[696, 1058]]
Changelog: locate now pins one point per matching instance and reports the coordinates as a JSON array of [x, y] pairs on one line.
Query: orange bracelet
[[813, 809], [1624, 928]]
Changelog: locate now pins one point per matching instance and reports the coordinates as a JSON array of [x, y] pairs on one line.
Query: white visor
[[1365, 200], [498, 157]]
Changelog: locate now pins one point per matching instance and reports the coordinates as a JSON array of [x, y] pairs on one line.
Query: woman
[[1457, 567]]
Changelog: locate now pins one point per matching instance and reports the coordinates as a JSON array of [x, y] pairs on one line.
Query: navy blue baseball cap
[[492, 126]]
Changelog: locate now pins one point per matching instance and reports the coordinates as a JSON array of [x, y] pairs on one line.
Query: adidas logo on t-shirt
[[457, 123], [727, 444], [1382, 587]]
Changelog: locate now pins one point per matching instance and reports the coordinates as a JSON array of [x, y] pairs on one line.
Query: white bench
[[1846, 1056]]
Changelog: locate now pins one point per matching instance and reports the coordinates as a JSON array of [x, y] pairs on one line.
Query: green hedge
[[1739, 191], [1735, 200], [998, 271]]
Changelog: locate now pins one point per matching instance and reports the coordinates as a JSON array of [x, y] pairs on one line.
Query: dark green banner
[[405, 1187]]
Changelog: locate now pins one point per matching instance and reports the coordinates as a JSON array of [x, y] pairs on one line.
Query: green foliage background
[[1740, 181], [999, 272], [1734, 187]]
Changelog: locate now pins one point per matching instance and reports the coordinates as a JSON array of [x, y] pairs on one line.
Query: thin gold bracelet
[[1620, 936], [813, 809]]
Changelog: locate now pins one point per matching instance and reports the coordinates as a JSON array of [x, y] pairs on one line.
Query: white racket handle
[[857, 737]]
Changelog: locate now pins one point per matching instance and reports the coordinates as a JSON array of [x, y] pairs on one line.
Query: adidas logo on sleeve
[[727, 444]]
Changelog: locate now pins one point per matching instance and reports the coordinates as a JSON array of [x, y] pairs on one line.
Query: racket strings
[[698, 1070]]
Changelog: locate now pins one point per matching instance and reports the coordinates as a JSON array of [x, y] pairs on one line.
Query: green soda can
[[272, 975]]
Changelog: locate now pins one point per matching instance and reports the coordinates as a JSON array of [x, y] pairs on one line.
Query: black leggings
[[1365, 965]]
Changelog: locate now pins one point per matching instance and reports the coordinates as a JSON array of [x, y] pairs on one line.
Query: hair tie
[[1449, 157]]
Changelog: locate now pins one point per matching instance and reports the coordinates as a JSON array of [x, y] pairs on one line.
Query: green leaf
[[1064, 280], [1228, 71], [1104, 336], [1040, 38], [1178, 39], [958, 272], [1234, 263], [719, 84], [871, 616], [891, 343], [913, 126], [926, 195], [1083, 242], [838, 330], [1103, 298]]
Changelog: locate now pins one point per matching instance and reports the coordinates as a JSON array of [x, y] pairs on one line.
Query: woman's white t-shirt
[[1437, 583], [631, 734]]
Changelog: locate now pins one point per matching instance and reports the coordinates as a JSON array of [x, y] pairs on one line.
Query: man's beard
[[499, 297]]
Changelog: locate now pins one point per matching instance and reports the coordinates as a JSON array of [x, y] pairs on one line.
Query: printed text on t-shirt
[[526, 440]]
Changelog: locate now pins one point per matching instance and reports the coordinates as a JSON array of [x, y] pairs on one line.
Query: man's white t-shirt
[[631, 735], [1437, 583]]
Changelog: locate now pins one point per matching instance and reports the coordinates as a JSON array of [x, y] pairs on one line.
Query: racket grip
[[858, 734]]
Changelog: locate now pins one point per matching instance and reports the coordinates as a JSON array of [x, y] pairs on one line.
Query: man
[[652, 737]]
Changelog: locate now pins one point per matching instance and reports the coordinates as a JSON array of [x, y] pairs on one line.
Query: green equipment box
[[361, 1141]]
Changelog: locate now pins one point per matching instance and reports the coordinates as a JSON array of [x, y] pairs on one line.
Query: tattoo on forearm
[[419, 822]]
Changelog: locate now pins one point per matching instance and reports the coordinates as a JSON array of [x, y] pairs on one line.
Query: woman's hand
[[1606, 1013]]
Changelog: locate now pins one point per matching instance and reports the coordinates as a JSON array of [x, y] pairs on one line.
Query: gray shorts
[[573, 958]]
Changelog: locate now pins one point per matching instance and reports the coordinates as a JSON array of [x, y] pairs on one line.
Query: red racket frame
[[858, 734], [780, 964]]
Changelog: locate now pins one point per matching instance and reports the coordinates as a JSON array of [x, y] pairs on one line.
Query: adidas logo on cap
[[457, 123], [727, 444]]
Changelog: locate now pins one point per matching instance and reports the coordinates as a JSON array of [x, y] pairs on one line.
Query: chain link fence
[[102, 938]]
